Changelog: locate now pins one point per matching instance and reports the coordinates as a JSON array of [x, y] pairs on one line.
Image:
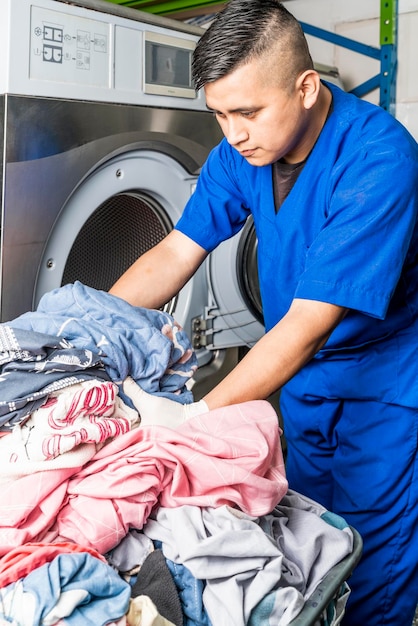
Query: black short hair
[[245, 30]]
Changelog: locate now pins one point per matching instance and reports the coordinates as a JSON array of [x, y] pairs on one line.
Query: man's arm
[[160, 273], [274, 359], [279, 354]]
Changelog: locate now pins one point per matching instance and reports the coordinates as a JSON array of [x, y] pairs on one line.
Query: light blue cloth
[[88, 589], [131, 341]]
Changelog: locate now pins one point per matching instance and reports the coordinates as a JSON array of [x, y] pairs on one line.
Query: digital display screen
[[167, 65]]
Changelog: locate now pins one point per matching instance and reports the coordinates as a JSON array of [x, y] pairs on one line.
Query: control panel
[[55, 49], [69, 48]]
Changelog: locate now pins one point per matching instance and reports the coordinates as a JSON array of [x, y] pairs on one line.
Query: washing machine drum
[[119, 231]]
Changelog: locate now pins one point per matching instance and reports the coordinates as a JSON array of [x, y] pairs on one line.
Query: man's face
[[258, 118]]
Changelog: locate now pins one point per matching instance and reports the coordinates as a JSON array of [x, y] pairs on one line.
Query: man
[[332, 184]]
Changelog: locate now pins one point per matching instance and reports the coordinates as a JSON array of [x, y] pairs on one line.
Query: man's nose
[[236, 132]]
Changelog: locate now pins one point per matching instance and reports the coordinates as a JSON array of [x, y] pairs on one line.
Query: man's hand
[[155, 410]]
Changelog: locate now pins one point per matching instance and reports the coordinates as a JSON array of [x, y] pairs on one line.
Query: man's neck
[[318, 116]]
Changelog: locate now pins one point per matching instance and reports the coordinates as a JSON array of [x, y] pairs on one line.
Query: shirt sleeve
[[216, 211]]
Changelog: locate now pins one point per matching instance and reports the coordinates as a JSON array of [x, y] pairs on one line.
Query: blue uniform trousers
[[359, 459]]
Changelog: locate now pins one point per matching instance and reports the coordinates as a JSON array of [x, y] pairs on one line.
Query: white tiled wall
[[360, 20]]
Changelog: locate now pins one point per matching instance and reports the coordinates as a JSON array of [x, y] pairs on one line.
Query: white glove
[[155, 410]]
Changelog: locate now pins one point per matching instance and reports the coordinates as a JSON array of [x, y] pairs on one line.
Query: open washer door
[[234, 314]]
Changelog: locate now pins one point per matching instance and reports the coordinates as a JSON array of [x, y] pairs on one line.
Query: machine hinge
[[202, 332]]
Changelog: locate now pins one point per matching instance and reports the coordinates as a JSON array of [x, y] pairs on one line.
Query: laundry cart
[[326, 605]]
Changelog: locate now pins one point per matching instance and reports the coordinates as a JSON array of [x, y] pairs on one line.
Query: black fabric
[[155, 581], [284, 177]]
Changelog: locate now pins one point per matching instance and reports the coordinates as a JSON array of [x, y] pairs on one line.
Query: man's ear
[[308, 84]]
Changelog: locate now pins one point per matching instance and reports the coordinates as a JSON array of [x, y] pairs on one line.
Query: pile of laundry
[[105, 521]]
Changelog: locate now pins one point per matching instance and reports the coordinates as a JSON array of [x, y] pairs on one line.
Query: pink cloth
[[227, 456]]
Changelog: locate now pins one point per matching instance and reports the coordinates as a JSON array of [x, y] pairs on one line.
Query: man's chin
[[259, 160]]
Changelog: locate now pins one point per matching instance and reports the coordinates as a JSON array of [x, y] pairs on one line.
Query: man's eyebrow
[[237, 110]]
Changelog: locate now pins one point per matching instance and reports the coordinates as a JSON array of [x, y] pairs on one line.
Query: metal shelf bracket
[[386, 54]]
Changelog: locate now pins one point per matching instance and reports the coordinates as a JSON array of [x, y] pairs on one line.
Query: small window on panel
[[168, 62]]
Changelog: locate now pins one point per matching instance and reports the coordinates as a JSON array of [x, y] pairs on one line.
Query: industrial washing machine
[[103, 136]]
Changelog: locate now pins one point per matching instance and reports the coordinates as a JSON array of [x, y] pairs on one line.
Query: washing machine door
[[234, 316], [123, 208]]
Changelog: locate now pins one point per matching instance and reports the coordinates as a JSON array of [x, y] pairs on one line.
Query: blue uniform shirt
[[346, 234]]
